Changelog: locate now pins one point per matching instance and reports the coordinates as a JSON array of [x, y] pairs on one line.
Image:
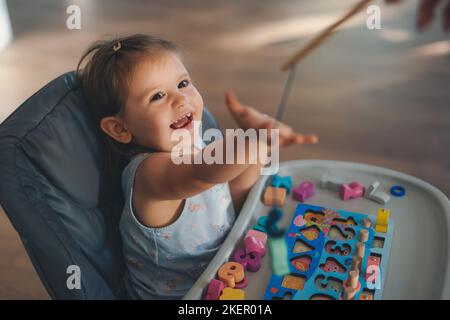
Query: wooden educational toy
[[372, 193], [351, 191], [232, 294], [274, 196], [332, 183], [215, 289], [304, 191], [382, 220], [279, 256], [282, 182], [261, 236], [272, 223], [231, 273], [398, 191], [332, 254]]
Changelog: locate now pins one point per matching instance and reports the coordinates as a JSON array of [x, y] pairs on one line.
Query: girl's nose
[[179, 100]]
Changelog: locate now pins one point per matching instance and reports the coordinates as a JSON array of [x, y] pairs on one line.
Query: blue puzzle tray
[[321, 242], [417, 266]]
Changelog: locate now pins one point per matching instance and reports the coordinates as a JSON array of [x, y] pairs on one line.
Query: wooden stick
[[316, 41]]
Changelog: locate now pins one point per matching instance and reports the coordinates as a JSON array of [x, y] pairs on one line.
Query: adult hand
[[427, 12]]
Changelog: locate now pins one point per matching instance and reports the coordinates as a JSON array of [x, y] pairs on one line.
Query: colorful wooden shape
[[373, 272], [353, 280], [215, 289], [328, 283], [241, 257], [301, 263], [366, 222], [279, 256], [360, 249], [331, 265], [339, 234], [363, 235], [242, 284], [310, 233], [282, 182], [250, 261], [293, 282], [398, 191], [274, 215], [366, 295], [356, 263], [350, 221], [299, 221], [304, 191], [315, 217], [231, 273], [349, 293], [351, 191], [274, 196], [272, 223], [253, 245], [261, 224], [261, 236], [372, 193], [301, 246], [373, 261], [330, 182], [340, 250], [382, 220], [232, 294]]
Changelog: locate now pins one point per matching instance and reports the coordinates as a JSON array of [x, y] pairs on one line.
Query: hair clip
[[117, 46]]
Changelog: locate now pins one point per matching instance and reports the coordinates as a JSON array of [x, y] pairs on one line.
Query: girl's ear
[[114, 128]]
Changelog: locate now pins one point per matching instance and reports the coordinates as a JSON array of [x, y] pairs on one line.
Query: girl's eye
[[158, 96], [183, 84]]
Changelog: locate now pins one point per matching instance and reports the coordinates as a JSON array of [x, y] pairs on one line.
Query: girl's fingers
[[235, 107], [287, 135], [305, 139], [311, 139]]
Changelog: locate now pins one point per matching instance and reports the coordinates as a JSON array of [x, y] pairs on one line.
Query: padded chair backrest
[[55, 189]]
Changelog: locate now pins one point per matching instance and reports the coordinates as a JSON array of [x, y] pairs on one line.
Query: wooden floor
[[378, 97]]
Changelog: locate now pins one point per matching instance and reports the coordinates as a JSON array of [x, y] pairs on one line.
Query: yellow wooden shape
[[232, 294], [382, 220]]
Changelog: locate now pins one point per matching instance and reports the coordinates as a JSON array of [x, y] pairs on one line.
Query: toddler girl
[[176, 215]]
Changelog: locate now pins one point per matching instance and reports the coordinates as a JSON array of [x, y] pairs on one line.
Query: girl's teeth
[[184, 118]]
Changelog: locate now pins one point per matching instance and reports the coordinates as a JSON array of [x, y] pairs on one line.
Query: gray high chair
[[56, 190]]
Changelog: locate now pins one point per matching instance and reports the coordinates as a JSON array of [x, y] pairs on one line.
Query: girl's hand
[[248, 117]]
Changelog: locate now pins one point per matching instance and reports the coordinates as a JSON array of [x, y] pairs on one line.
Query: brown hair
[[103, 73]]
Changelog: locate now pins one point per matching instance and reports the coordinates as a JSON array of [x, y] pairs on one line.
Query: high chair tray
[[418, 266]]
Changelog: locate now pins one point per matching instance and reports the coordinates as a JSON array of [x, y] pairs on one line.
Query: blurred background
[[379, 97]]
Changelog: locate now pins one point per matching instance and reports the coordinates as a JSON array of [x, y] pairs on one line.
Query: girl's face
[[161, 99]]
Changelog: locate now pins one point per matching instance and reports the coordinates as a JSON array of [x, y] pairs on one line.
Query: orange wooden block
[[274, 196], [231, 273]]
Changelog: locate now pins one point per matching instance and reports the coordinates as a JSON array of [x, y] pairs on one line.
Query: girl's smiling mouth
[[184, 122]]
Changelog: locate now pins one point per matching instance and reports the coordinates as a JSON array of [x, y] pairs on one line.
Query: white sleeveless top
[[164, 263]]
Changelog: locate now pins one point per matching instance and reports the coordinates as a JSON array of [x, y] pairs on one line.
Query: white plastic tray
[[419, 261]]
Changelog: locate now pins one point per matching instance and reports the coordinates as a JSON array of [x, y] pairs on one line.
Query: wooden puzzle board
[[321, 242], [418, 265]]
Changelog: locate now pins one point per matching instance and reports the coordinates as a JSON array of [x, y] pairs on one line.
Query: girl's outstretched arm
[[159, 178]]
